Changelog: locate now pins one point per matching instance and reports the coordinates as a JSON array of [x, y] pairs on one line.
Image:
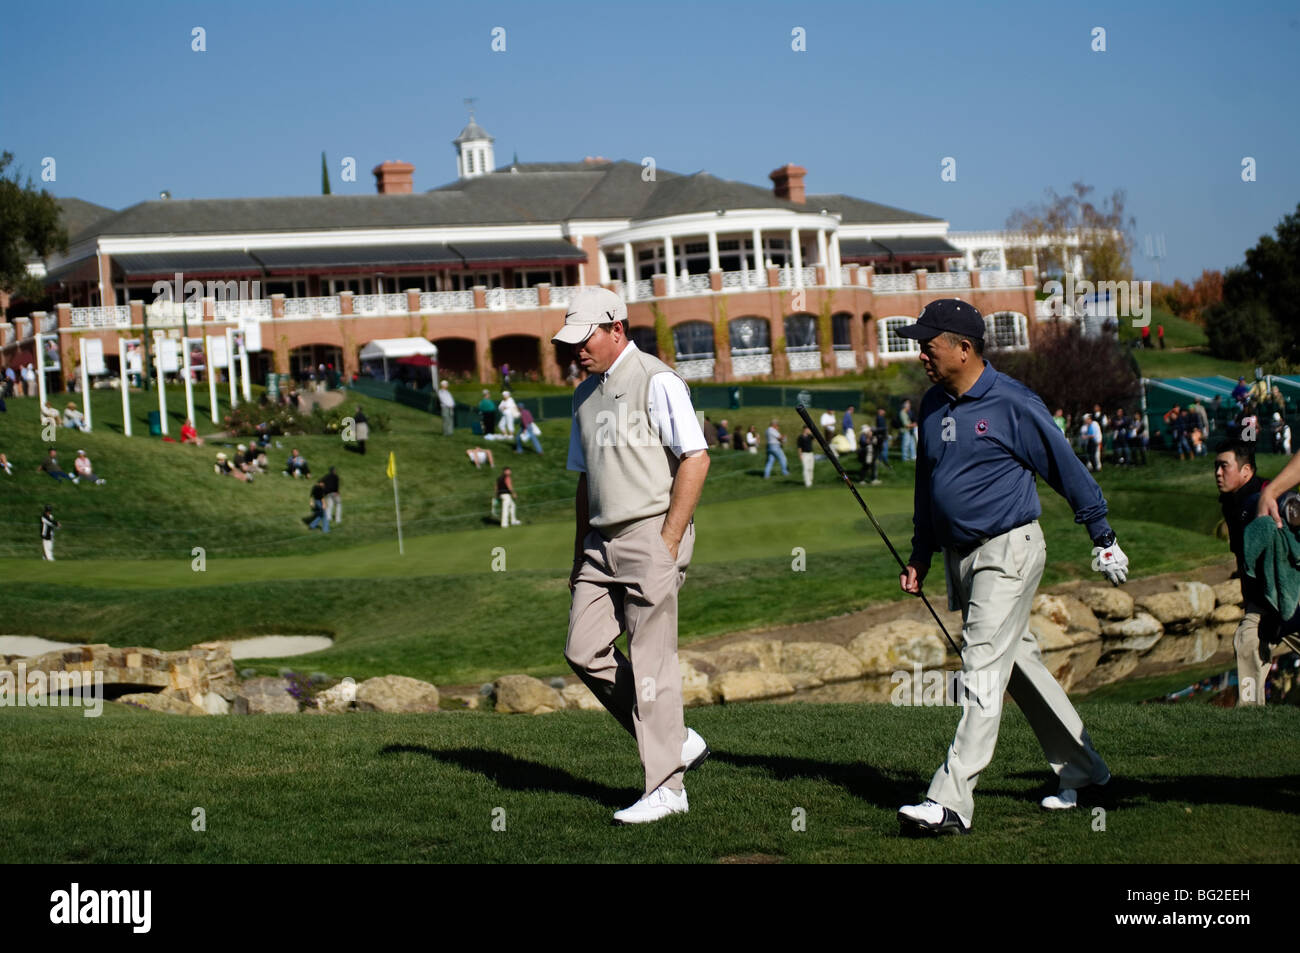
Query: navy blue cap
[[946, 314]]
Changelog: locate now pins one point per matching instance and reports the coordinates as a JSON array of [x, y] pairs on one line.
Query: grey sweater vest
[[629, 470]]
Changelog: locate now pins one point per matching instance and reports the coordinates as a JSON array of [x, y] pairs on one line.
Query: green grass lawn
[[1195, 783]]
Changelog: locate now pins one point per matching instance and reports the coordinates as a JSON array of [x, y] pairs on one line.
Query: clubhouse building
[[724, 280]]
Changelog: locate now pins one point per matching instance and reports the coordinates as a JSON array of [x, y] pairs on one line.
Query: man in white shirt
[[448, 405], [643, 459]]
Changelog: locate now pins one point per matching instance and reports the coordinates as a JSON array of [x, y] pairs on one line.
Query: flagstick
[[401, 551]]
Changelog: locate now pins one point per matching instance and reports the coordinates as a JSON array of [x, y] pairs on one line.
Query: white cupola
[[473, 151]]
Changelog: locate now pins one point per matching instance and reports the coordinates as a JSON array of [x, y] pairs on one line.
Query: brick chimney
[[787, 183], [394, 178]]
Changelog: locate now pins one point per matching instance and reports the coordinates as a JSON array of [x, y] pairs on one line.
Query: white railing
[[947, 279], [311, 306], [561, 295], [645, 288], [49, 323], [743, 362], [447, 301], [845, 361], [501, 298], [810, 360], [810, 276], [118, 316], [1002, 279], [695, 369], [886, 284], [255, 308], [744, 279], [844, 274], [395, 303], [785, 278], [368, 304], [694, 284]]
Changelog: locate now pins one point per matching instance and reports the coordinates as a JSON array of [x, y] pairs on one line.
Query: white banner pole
[[40, 368], [85, 384], [212, 380], [230, 367], [243, 370], [162, 382], [189, 381], [124, 380]]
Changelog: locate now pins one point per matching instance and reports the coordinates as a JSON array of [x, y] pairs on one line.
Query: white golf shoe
[[658, 804], [694, 749], [1068, 798], [933, 818]]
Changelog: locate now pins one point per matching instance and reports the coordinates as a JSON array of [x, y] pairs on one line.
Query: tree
[[1071, 224], [324, 175], [1259, 317], [29, 225], [1051, 370]]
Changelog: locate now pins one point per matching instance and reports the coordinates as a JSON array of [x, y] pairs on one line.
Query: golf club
[[830, 455]]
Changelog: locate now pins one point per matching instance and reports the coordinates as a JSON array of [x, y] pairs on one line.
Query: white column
[[85, 384], [162, 389], [243, 370], [40, 368], [230, 367], [835, 260], [823, 255], [713, 251], [630, 271], [212, 381], [604, 266], [189, 382], [796, 260], [124, 383], [1002, 256], [669, 266], [757, 240], [970, 259]]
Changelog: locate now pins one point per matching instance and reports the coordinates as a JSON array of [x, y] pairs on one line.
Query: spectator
[[867, 456], [223, 467], [1119, 436], [907, 431], [1240, 393], [724, 435], [1059, 419], [843, 443], [48, 525], [847, 422], [319, 516], [1259, 389], [297, 466], [1100, 417], [1092, 442], [190, 435], [880, 434], [5, 465], [806, 456], [506, 494], [710, 431], [505, 377], [1183, 434], [478, 456], [1279, 402], [751, 440], [11, 382], [333, 502], [1216, 410], [1160, 335], [774, 451], [84, 470], [1281, 435], [362, 431], [529, 430], [51, 466], [49, 416], [508, 411], [487, 413], [572, 376], [29, 380], [1202, 419], [74, 419], [1146, 336], [294, 400], [827, 423], [447, 407], [1138, 439], [738, 439]]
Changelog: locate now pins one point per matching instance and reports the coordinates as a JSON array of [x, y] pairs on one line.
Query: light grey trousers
[[631, 582], [1255, 658], [994, 587]]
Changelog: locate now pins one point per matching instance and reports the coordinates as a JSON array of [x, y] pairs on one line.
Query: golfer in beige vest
[[643, 460]]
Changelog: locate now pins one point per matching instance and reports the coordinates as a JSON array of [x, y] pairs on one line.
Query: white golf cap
[[590, 306]]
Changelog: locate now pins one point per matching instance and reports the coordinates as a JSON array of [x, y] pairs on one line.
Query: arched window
[[1007, 330], [645, 340], [842, 331], [890, 342], [693, 341], [750, 336], [801, 333]]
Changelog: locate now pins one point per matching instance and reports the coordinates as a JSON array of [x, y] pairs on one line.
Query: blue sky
[[115, 94]]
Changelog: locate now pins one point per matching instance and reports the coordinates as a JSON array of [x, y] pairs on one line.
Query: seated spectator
[[49, 415], [224, 468], [250, 459], [84, 470], [51, 466], [297, 466], [724, 434], [190, 435], [5, 465], [478, 456], [73, 418]]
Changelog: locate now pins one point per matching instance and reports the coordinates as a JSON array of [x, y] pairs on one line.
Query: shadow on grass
[[516, 774], [858, 779], [1279, 794]]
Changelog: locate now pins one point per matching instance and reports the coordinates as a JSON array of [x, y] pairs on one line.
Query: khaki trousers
[[994, 586], [1255, 658], [630, 582]]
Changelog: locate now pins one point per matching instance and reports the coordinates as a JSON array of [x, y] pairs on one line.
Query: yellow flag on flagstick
[[392, 465]]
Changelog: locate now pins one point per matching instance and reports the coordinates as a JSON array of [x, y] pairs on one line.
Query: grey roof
[[861, 212], [852, 249], [472, 131], [536, 193], [77, 215]]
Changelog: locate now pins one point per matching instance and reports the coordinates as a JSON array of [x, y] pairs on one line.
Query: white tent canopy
[[393, 348]]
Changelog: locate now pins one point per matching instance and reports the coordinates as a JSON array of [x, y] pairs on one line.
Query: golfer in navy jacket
[[982, 437]]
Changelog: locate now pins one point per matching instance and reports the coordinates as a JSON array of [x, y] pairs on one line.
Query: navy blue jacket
[[977, 455]]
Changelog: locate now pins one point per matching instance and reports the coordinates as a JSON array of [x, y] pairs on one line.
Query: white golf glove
[[1111, 561]]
